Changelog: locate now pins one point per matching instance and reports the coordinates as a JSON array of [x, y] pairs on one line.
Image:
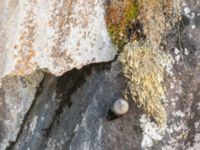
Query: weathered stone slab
[[53, 35]]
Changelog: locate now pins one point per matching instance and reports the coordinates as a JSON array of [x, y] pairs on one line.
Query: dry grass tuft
[[145, 74]]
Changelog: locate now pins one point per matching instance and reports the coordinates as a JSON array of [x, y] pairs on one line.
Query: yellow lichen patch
[[120, 15], [145, 74], [157, 16]]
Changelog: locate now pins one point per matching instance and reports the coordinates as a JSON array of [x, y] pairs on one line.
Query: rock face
[[54, 35], [71, 112], [16, 96], [45, 112]]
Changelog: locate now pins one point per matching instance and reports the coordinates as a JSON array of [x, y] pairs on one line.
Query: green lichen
[[119, 18]]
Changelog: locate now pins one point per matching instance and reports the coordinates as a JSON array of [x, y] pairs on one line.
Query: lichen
[[151, 132], [145, 76], [120, 15]]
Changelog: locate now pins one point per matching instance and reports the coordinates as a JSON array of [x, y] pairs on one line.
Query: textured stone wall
[[69, 111]]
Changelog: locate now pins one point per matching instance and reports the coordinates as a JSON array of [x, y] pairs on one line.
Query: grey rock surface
[[70, 112], [16, 97]]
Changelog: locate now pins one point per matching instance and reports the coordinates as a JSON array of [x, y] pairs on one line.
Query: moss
[[156, 16], [130, 13], [120, 15], [145, 75]]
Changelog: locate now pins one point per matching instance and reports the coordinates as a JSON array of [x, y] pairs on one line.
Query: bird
[[118, 109]]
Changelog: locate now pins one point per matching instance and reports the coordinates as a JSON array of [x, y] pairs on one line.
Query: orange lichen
[[25, 48]]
